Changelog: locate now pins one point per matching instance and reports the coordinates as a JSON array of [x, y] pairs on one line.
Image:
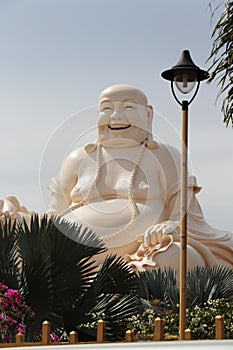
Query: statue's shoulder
[[74, 158], [167, 152], [78, 154]]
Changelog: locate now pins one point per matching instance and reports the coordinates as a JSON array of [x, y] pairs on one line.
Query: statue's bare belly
[[112, 219], [109, 209]]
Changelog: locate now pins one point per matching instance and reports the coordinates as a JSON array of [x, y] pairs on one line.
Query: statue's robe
[[157, 196]]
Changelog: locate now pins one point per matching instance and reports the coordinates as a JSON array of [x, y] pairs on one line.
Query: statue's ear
[[150, 112], [151, 144]]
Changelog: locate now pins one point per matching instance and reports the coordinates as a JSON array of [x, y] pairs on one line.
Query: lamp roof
[[185, 63]]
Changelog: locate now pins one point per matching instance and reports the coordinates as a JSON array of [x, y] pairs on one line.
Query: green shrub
[[201, 320]]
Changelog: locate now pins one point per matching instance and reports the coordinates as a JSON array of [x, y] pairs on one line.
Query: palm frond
[[114, 287], [9, 259], [222, 59], [159, 284], [55, 268], [115, 275], [209, 283], [122, 306], [89, 241], [52, 263]]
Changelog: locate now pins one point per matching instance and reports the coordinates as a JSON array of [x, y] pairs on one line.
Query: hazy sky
[[57, 56]]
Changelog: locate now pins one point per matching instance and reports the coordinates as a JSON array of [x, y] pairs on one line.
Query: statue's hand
[[2, 208], [7, 209], [156, 233], [11, 208]]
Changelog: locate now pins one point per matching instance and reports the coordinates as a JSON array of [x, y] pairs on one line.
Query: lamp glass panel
[[185, 81]]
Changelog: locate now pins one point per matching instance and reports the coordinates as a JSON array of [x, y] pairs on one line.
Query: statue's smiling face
[[123, 115]]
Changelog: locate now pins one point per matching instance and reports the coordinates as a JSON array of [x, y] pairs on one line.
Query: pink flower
[[13, 313], [21, 328], [54, 337], [3, 287]]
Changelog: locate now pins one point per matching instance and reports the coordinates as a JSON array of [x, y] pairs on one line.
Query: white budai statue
[[126, 188]]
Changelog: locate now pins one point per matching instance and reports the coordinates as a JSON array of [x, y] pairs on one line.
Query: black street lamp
[[186, 75]]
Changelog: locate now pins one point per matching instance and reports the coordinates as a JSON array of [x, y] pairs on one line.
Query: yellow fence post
[[159, 329], [129, 336], [46, 329], [73, 337], [188, 334], [101, 328], [219, 327], [19, 338]]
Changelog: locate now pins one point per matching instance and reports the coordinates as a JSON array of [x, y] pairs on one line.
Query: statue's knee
[[171, 257]]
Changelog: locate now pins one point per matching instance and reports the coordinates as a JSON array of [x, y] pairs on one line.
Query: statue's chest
[[117, 171]]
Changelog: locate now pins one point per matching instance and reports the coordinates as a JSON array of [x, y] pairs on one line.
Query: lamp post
[[186, 75]]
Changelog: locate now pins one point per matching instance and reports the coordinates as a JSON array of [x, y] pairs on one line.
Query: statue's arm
[[174, 203], [62, 185], [10, 207], [169, 157]]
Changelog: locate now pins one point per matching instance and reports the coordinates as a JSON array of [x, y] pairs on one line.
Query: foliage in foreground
[[15, 315], [209, 292], [201, 320], [52, 264], [203, 284], [221, 68]]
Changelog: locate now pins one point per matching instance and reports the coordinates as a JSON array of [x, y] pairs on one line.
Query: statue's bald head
[[117, 91], [124, 117]]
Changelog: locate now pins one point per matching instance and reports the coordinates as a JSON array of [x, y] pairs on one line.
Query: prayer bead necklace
[[133, 205]]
